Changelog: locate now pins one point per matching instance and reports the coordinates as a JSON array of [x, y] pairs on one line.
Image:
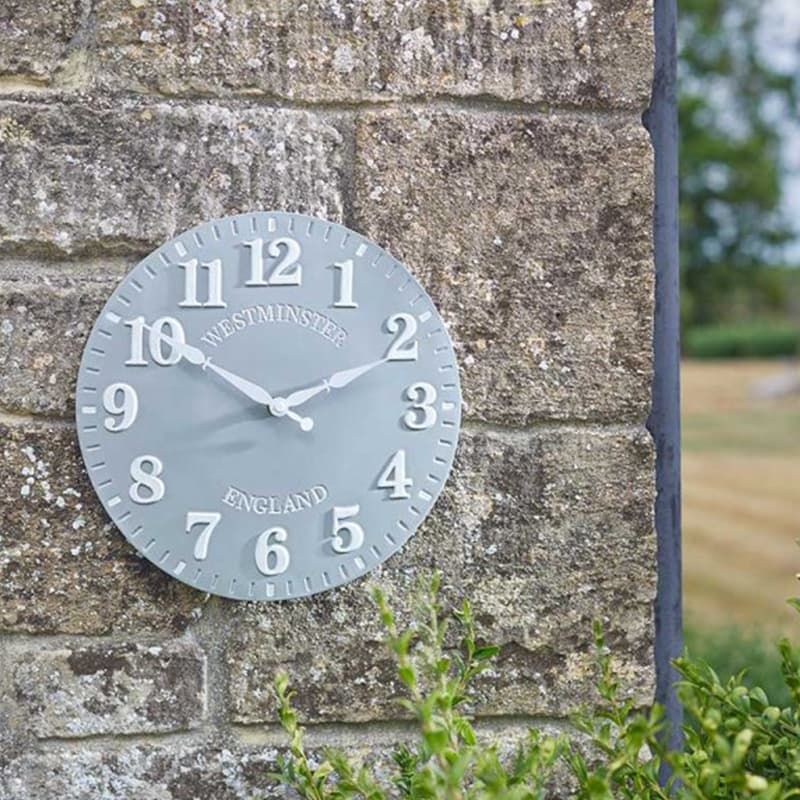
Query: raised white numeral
[[343, 524], [272, 558], [394, 477], [214, 285], [422, 414], [402, 348], [155, 342], [146, 479], [209, 519], [345, 299], [287, 271], [120, 398]]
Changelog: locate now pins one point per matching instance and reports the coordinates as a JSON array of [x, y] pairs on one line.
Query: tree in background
[[730, 104]]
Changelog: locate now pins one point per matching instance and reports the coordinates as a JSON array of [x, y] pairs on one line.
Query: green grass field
[[741, 498]]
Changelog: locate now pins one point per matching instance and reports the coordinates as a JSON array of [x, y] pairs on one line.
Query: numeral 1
[[394, 477], [343, 524], [287, 271], [209, 519], [214, 285], [345, 299]]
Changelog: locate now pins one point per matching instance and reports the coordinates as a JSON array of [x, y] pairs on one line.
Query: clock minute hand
[[335, 381]]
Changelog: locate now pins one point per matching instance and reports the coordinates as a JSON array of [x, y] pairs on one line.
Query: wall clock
[[268, 406]]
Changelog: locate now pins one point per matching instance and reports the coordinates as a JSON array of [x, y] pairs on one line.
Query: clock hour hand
[[194, 355], [335, 381]]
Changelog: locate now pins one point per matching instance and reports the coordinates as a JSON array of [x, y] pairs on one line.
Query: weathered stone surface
[[63, 567], [589, 54], [544, 532], [124, 176], [207, 771], [172, 772], [533, 234], [44, 322], [36, 36], [108, 688]]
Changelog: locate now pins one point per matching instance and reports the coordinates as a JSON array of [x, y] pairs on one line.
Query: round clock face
[[268, 406]]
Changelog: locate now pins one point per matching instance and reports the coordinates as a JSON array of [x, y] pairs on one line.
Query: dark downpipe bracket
[[661, 120]]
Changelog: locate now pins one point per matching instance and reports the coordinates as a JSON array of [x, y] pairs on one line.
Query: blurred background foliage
[[740, 283], [732, 106]]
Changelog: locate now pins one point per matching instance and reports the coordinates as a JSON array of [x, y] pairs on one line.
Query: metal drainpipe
[[661, 120]]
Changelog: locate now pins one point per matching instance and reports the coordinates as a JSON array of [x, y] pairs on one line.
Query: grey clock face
[[268, 406]]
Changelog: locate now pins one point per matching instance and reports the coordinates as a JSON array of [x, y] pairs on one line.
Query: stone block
[[543, 532], [64, 568], [107, 688], [44, 321], [237, 770], [590, 54], [147, 772], [122, 176], [37, 38], [534, 236]]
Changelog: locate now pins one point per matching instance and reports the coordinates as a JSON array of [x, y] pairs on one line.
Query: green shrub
[[744, 340], [739, 744], [731, 649]]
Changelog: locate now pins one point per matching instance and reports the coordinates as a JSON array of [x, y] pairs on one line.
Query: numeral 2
[[403, 348]]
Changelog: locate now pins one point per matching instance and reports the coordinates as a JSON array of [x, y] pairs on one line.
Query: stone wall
[[497, 148]]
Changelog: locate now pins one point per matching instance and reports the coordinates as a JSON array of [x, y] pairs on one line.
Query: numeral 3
[[422, 414]]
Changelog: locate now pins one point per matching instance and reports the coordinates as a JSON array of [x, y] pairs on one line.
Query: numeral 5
[[343, 524]]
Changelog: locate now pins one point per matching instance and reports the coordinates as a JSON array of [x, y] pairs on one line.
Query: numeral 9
[[120, 398]]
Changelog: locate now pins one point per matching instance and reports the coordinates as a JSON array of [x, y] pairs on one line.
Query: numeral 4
[[120, 398], [146, 479], [209, 520], [155, 341], [272, 558], [403, 348], [214, 269], [287, 271], [353, 536], [422, 414], [394, 477]]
